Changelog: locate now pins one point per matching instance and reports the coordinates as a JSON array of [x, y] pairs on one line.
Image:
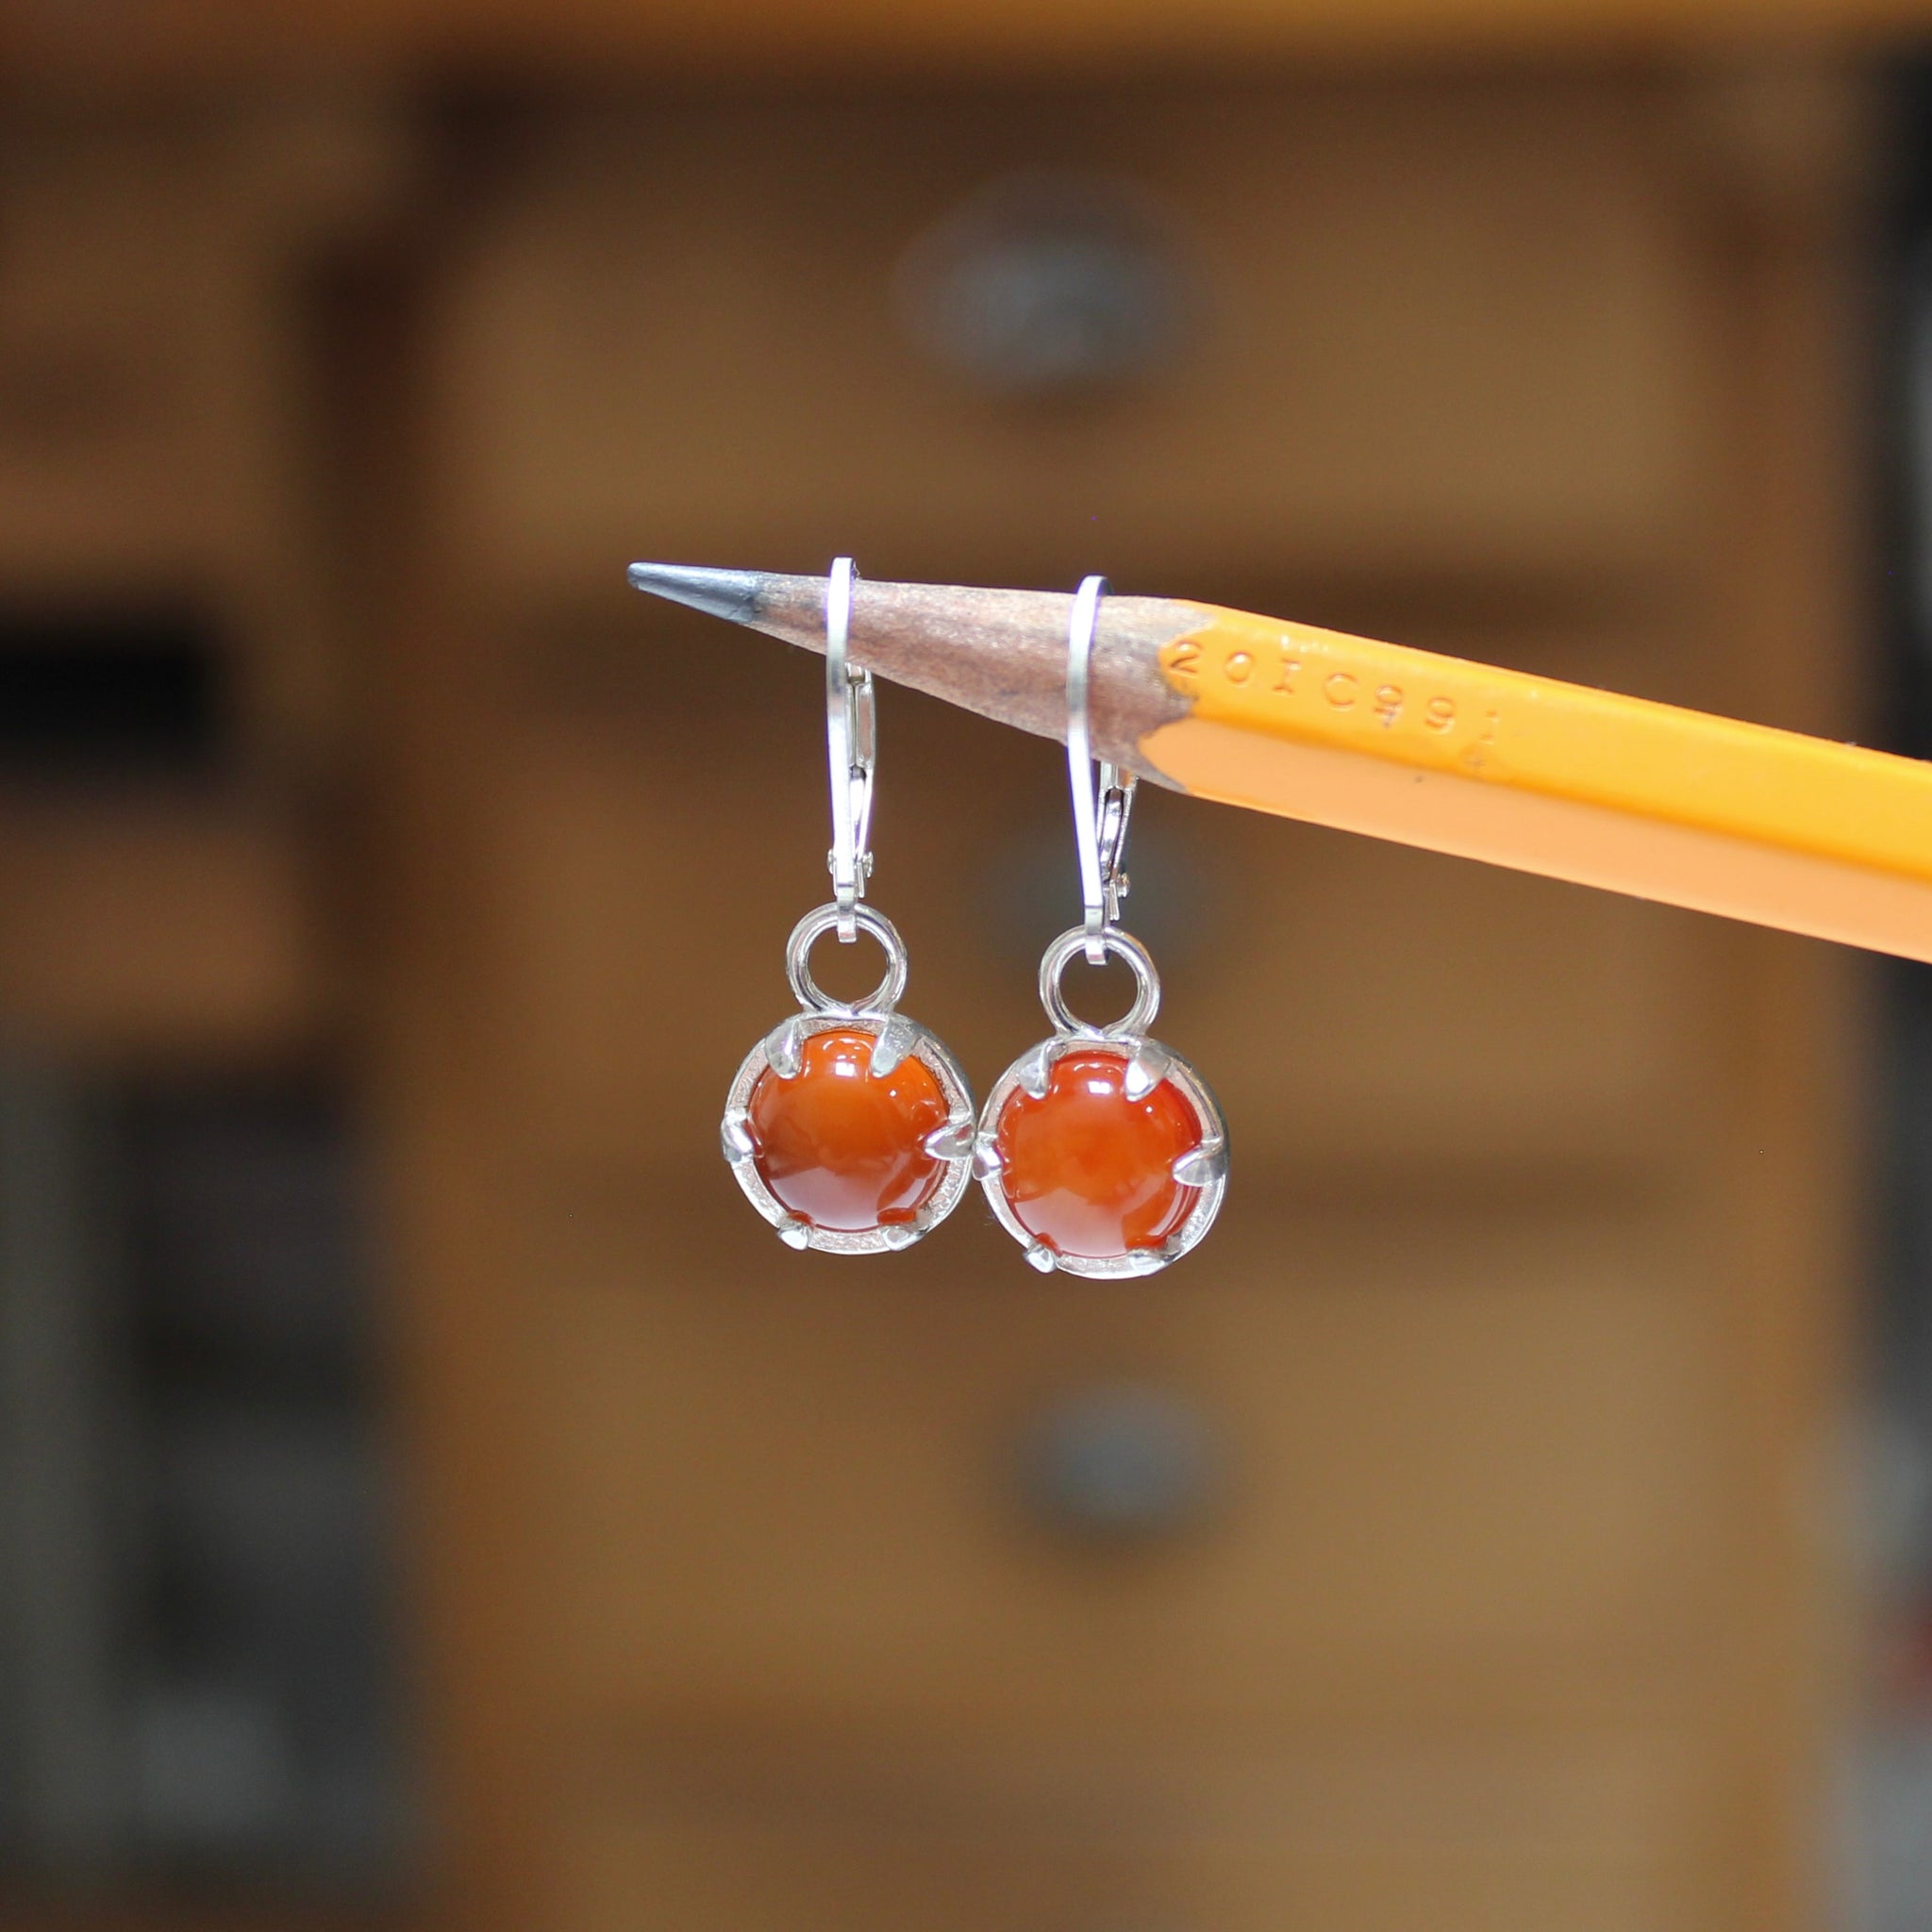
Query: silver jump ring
[[1123, 945], [823, 919]]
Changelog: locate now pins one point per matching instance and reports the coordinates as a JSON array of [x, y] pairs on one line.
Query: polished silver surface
[[807, 990], [1134, 1022], [1202, 1166], [1146, 1071], [852, 749], [782, 1044], [893, 1043], [950, 1141], [1100, 826], [1031, 1069]]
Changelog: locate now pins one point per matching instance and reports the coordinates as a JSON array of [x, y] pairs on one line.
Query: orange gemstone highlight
[[1086, 1169], [840, 1149]]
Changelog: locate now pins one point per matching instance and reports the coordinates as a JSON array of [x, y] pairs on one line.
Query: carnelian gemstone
[[840, 1149], [1086, 1169]]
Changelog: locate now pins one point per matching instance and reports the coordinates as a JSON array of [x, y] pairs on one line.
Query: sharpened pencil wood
[[1000, 653]]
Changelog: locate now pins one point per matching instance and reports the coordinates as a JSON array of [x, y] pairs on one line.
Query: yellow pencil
[[1456, 756]]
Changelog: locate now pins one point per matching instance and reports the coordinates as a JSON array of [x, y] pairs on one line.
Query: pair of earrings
[[852, 1129]]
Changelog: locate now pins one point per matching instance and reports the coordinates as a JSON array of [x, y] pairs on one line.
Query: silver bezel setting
[[1158, 1063]]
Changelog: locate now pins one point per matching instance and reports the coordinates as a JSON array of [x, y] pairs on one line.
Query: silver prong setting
[[785, 1052], [952, 1142], [1035, 1070], [891, 1044], [785, 1049], [1149, 1066], [1146, 1065], [1202, 1166]]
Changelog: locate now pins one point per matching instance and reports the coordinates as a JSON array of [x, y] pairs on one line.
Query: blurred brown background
[[428, 1497]]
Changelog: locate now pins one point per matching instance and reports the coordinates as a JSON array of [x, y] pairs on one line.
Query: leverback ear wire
[[1100, 828], [852, 747]]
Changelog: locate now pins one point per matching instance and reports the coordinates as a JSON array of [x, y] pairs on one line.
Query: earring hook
[[852, 747], [1100, 826]]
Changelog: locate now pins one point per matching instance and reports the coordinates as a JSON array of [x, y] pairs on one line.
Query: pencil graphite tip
[[728, 593]]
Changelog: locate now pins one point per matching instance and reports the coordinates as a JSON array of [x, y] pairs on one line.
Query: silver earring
[[849, 1126], [1102, 1152]]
